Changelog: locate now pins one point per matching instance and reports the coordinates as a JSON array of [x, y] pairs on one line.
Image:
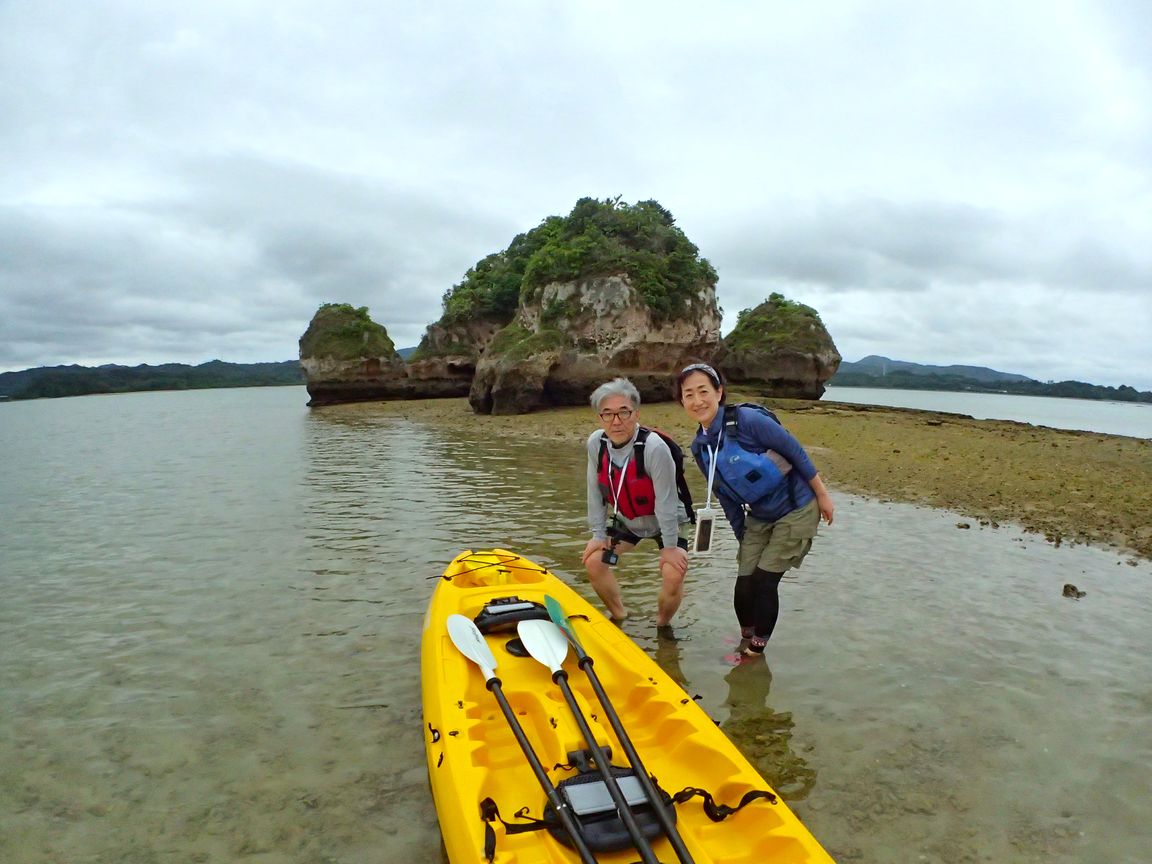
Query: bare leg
[[604, 583], [671, 594]]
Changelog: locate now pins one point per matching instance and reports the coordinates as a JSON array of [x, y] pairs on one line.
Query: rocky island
[[610, 289]]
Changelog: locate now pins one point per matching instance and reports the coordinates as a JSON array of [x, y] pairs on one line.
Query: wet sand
[[1070, 487]]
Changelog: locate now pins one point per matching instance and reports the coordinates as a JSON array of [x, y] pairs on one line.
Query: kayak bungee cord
[[485, 563]]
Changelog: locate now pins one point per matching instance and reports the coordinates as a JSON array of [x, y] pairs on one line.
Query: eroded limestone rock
[[572, 336], [782, 348]]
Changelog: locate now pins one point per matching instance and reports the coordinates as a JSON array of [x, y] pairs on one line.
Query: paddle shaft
[[585, 662], [558, 804], [641, 842], [556, 613]]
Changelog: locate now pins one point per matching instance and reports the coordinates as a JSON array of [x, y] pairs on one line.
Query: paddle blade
[[469, 641], [544, 642], [556, 613]]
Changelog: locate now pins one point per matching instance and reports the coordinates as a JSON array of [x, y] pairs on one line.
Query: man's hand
[[675, 557], [594, 547]]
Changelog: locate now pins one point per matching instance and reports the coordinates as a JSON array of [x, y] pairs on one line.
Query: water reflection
[[765, 735], [667, 656]]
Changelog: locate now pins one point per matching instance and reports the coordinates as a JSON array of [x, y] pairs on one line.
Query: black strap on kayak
[[720, 812], [490, 812]]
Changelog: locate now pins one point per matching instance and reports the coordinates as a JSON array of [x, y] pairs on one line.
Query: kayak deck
[[473, 754]]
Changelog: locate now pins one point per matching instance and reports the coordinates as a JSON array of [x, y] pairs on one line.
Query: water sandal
[[756, 645]]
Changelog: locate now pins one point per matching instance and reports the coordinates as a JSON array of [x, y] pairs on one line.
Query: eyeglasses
[[622, 414]]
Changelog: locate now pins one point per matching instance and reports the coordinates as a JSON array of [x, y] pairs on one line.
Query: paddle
[[469, 641], [556, 613], [547, 644]]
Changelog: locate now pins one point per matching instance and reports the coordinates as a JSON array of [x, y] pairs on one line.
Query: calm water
[[1114, 418], [210, 627]]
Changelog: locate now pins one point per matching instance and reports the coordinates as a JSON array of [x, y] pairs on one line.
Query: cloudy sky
[[945, 182]]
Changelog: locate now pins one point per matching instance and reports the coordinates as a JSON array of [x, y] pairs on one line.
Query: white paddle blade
[[544, 642], [469, 641]]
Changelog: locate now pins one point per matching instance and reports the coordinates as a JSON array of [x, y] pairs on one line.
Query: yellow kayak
[[529, 765]]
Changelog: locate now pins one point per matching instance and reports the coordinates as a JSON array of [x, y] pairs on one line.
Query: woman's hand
[[823, 499], [827, 508]]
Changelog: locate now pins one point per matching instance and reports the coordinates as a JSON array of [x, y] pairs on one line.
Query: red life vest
[[637, 494]]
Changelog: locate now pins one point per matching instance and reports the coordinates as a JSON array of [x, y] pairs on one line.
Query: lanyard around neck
[[712, 454], [619, 487]]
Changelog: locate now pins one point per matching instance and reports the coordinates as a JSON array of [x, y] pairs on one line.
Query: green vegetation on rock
[[515, 342], [491, 287], [424, 351], [339, 331], [779, 323], [598, 238]]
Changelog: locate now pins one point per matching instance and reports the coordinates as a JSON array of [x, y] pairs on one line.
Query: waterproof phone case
[[705, 523]]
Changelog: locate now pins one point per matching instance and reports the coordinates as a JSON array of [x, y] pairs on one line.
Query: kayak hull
[[473, 754]]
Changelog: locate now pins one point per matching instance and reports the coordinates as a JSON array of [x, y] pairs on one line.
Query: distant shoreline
[[54, 382], [76, 380], [1061, 390]]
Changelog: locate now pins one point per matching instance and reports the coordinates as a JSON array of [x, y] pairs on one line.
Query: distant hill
[[56, 381], [405, 352], [875, 371], [874, 364]]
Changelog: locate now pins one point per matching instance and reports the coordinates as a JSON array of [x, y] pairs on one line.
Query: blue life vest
[[751, 476]]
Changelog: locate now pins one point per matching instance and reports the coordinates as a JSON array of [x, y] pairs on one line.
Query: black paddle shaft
[[558, 804], [641, 842], [585, 663]]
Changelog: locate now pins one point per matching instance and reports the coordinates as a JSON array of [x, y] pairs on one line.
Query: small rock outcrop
[[348, 357], [782, 348], [483, 302], [444, 362]]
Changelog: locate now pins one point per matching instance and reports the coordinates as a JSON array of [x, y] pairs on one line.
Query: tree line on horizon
[[50, 382], [59, 381], [901, 380]]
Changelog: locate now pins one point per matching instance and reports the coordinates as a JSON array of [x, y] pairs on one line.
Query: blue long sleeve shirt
[[757, 433]]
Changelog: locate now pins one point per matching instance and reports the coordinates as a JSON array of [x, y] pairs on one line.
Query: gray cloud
[[912, 246], [967, 184]]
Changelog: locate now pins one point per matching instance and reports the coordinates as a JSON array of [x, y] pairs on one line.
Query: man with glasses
[[632, 471]]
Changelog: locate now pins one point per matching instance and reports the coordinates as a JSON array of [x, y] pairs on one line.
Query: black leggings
[[757, 601]]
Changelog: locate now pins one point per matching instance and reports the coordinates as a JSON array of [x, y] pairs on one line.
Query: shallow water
[[211, 618], [1133, 419]]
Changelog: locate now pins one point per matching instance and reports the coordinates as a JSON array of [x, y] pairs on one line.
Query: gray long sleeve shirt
[[659, 465]]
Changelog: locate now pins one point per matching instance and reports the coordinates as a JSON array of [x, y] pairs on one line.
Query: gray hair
[[616, 387]]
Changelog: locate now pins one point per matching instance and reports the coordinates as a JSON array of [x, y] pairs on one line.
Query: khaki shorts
[[778, 546]]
